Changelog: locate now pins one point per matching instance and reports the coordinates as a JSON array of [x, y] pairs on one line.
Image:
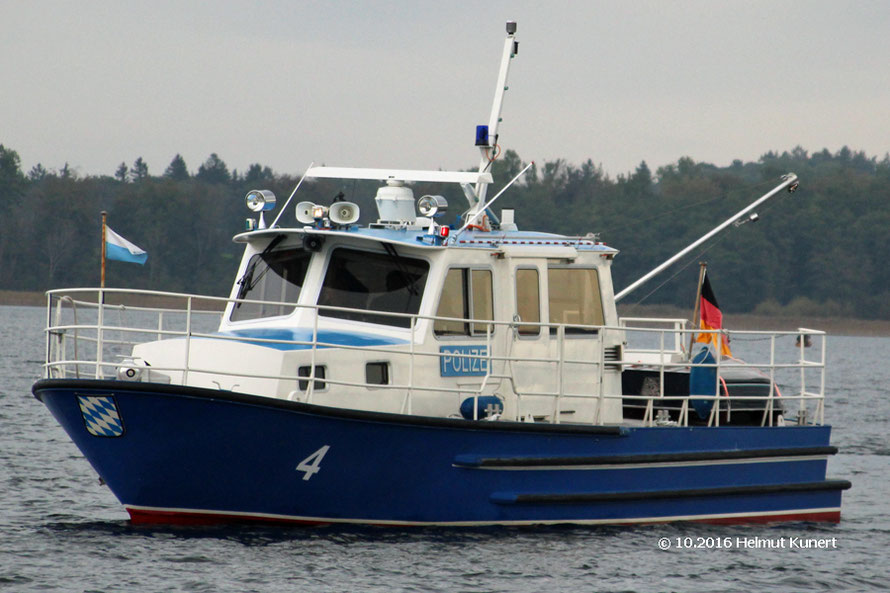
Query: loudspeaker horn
[[344, 212], [304, 212]]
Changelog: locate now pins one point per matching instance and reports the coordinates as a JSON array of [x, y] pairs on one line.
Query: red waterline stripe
[[158, 517]]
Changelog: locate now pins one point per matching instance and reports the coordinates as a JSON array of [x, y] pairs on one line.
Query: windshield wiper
[[246, 281], [407, 277]]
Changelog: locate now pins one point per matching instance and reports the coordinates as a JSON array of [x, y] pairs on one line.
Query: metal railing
[[91, 332]]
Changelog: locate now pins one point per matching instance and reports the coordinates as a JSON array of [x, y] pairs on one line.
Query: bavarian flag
[[119, 249], [711, 319]]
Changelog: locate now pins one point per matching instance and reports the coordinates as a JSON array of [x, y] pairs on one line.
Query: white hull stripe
[[657, 464]]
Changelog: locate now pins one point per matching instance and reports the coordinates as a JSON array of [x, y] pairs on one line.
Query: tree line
[[822, 250]]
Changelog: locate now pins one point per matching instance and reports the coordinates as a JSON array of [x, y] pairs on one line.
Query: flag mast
[[102, 274], [696, 322]]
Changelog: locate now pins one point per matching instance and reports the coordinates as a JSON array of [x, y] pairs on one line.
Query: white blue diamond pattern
[[100, 415]]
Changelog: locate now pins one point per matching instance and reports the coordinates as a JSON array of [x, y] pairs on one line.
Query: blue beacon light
[[482, 136]]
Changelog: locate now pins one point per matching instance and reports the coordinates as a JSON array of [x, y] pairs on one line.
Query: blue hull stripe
[[326, 338]]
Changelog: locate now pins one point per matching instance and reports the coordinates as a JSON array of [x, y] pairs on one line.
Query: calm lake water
[[60, 530]]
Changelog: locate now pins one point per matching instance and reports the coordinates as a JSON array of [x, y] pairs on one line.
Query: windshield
[[381, 282], [276, 277]]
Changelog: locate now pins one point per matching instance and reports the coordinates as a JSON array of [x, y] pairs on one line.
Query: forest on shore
[[821, 251]]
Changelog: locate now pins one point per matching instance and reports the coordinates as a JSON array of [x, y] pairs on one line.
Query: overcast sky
[[403, 83]]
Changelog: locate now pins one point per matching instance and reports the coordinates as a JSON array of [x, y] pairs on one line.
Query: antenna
[[299, 183]]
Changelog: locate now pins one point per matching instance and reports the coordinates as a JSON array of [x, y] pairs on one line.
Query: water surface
[[60, 530]]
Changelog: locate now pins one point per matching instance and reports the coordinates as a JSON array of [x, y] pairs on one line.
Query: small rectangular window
[[482, 302], [377, 373], [305, 371], [528, 300]]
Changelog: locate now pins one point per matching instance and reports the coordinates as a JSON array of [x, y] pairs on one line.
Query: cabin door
[[557, 370], [532, 378], [590, 376]]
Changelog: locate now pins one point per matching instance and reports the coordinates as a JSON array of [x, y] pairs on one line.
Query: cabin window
[[466, 294], [574, 298], [452, 303], [373, 283], [274, 277], [528, 300], [305, 371], [377, 373]]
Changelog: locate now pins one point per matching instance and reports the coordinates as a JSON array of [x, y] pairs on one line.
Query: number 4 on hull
[[312, 464]]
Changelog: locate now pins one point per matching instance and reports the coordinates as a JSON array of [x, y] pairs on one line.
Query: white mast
[[488, 144]]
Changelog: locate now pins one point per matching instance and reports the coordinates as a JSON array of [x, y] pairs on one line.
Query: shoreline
[[16, 298], [839, 326]]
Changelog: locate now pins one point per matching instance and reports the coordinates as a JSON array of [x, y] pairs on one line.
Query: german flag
[[711, 319]]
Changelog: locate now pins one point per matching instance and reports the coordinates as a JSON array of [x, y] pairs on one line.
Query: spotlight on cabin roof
[[260, 200], [432, 206]]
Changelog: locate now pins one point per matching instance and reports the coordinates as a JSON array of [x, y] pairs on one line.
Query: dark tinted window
[[306, 372], [378, 282], [377, 373]]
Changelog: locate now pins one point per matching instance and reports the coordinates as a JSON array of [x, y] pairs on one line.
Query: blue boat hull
[[182, 455]]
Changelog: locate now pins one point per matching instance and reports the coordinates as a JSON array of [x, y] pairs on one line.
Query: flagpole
[[102, 274], [703, 266]]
